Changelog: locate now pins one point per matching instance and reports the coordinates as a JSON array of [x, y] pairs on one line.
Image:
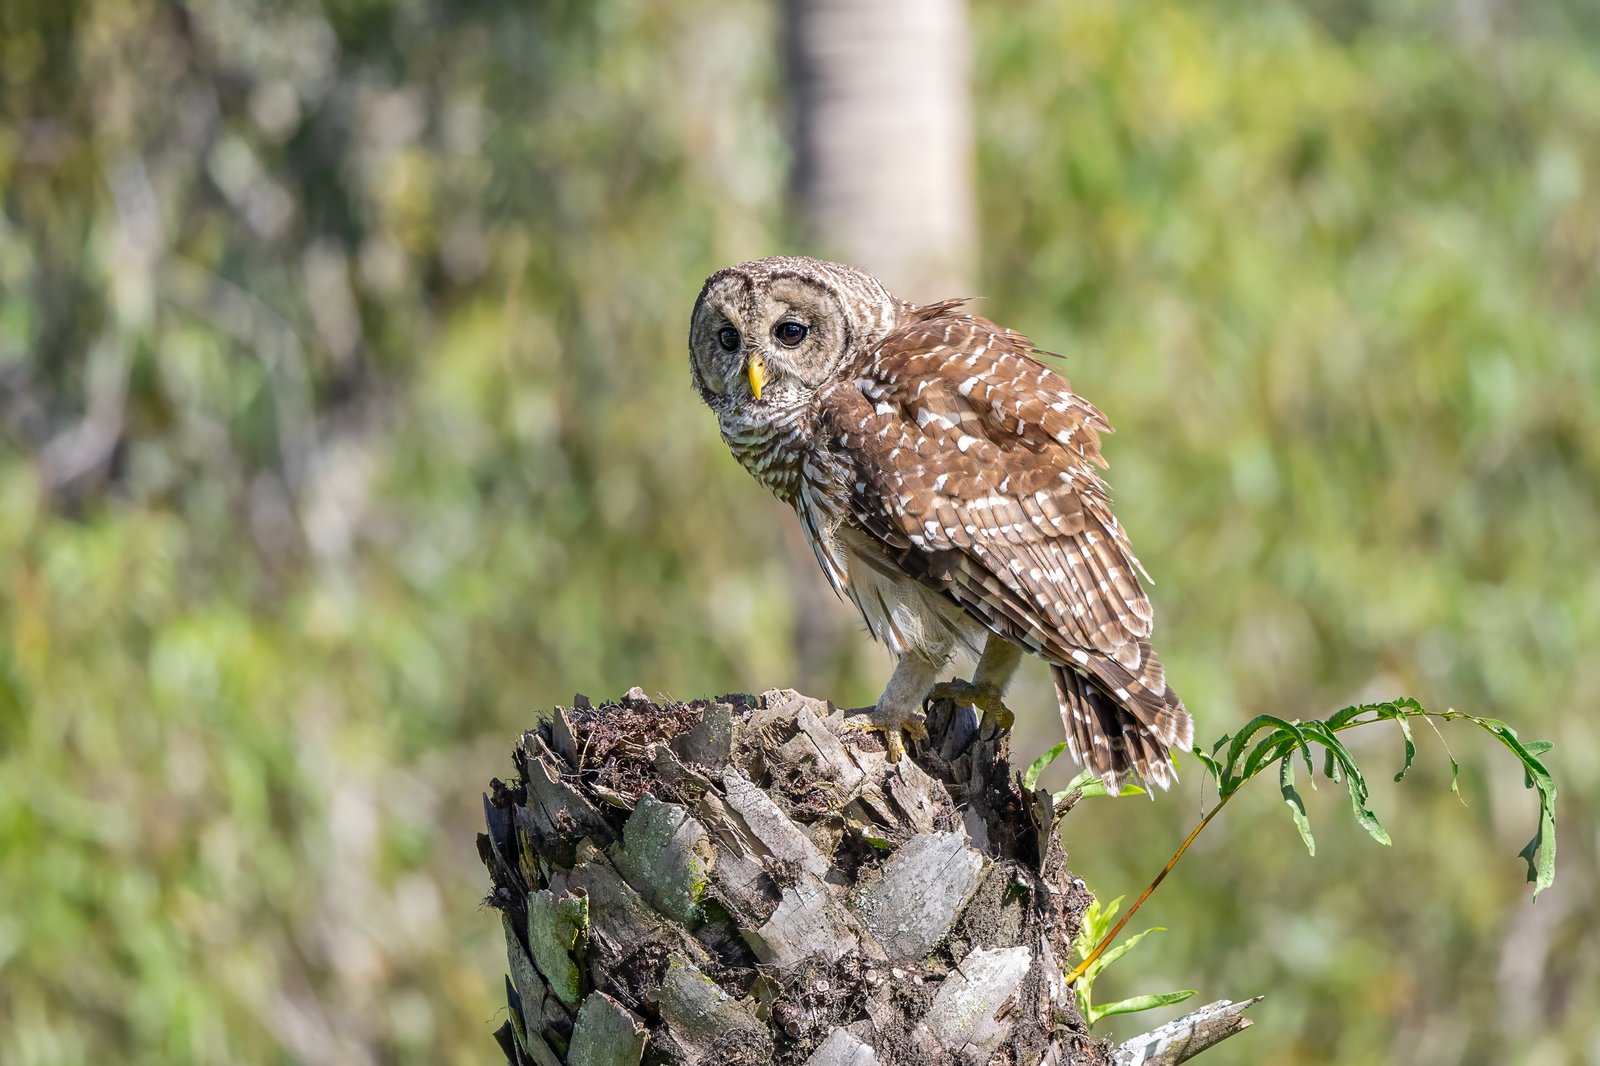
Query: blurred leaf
[[1030, 777], [1297, 806], [1088, 783], [1136, 1004], [1411, 746], [1540, 852], [1113, 954]]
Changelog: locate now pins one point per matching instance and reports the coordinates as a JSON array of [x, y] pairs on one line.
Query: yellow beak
[[756, 370]]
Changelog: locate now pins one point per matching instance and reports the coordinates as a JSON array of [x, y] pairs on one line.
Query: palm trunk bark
[[882, 110], [731, 881], [738, 882]]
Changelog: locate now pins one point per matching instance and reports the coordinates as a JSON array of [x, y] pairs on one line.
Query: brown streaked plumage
[[948, 482]]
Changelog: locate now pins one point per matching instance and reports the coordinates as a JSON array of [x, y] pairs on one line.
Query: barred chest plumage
[[783, 453]]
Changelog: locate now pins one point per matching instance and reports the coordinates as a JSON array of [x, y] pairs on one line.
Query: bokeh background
[[345, 425]]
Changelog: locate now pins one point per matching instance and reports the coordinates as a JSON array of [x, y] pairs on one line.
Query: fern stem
[[1287, 751], [1106, 941]]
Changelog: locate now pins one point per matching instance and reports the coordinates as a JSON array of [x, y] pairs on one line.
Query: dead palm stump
[[732, 881]]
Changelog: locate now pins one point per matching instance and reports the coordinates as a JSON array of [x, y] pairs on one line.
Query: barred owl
[[947, 481]]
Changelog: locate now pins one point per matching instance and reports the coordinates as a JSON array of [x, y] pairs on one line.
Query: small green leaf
[[1338, 763], [1368, 820], [1411, 746], [1088, 783], [1084, 779], [1541, 850], [1135, 1004], [1113, 954], [1213, 767], [1030, 777], [1341, 718], [1096, 920], [1529, 854], [1274, 747], [1297, 806], [1455, 780], [1339, 760], [1231, 779], [1534, 748]]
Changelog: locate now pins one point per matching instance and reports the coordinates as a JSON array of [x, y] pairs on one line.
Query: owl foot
[[894, 723], [987, 699]]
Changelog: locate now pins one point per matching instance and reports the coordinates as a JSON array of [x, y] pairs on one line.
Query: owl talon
[[893, 723], [988, 701]]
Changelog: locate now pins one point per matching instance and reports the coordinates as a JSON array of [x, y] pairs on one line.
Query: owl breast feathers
[[933, 460]]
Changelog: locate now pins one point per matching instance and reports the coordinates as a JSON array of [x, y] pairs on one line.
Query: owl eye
[[728, 338], [790, 334]]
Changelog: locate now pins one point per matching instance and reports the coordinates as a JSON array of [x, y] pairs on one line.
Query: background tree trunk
[[733, 882], [882, 109], [881, 141]]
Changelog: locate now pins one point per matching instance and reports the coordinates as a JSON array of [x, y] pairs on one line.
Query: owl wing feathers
[[975, 465]]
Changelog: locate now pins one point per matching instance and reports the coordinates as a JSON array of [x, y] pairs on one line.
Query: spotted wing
[[977, 468]]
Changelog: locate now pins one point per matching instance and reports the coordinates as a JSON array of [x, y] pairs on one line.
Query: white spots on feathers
[[970, 494]]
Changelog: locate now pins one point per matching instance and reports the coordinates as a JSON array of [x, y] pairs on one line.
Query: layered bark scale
[[738, 881]]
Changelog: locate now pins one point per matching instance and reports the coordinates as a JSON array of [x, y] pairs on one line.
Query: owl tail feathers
[[1114, 737]]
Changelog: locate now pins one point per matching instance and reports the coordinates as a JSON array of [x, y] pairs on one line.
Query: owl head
[[765, 335]]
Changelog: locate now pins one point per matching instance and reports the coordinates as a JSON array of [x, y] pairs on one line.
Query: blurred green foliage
[[344, 424]]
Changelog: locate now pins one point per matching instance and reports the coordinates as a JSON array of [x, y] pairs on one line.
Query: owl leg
[[899, 710], [986, 691], [997, 665]]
